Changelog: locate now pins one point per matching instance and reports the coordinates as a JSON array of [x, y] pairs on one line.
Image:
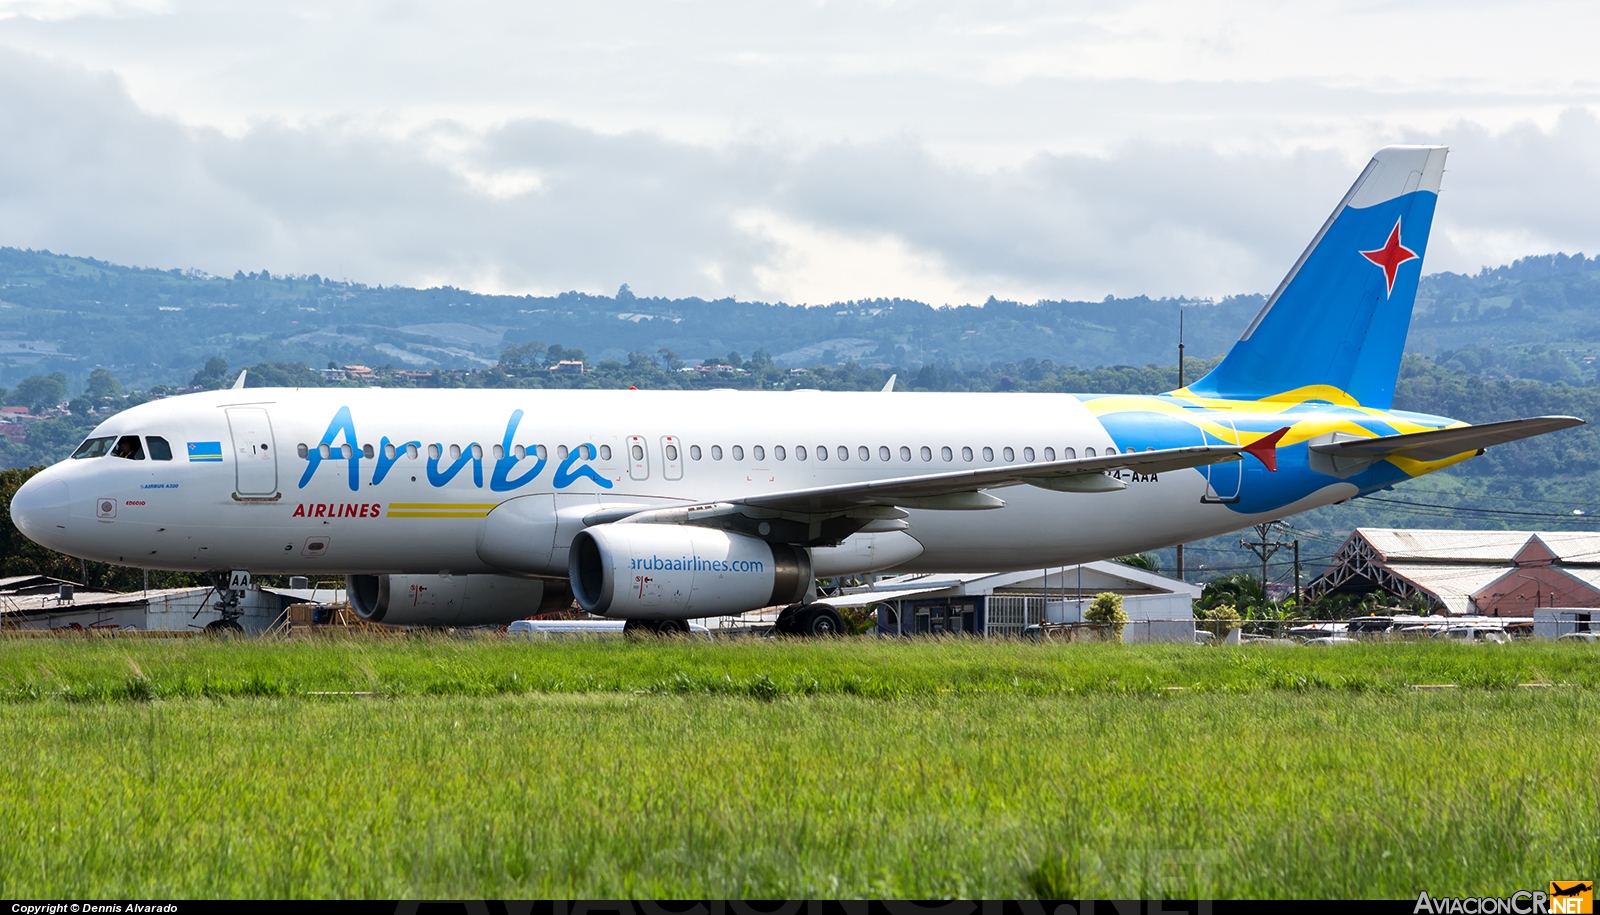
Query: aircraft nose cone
[[39, 510]]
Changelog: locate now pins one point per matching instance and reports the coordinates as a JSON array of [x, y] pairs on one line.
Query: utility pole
[[1180, 387], [1265, 549], [1298, 607]]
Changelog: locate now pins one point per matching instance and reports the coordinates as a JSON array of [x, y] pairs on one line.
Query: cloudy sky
[[808, 152]]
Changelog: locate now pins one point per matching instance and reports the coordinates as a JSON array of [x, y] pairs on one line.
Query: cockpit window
[[159, 449], [95, 447], [128, 447]]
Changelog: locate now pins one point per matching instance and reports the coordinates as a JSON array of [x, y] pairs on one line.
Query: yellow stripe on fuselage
[[440, 509]]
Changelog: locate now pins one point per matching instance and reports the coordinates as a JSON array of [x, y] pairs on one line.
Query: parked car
[[1331, 640], [1579, 637]]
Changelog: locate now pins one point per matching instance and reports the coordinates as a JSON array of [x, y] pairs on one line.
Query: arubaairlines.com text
[[696, 564]]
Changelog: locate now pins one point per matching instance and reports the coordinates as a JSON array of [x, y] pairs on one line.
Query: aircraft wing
[[1436, 444], [954, 489], [823, 515]]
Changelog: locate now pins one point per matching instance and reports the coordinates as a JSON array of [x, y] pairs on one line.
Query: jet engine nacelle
[[459, 600], [667, 571]]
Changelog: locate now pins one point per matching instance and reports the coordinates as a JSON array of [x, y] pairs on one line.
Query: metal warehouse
[[1487, 573]]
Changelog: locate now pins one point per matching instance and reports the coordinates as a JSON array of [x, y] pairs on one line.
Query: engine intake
[[667, 571], [460, 600]]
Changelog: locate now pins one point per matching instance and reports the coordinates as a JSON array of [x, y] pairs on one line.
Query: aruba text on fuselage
[[456, 507]]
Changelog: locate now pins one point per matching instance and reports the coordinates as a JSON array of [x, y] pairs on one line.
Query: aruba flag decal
[[205, 452]]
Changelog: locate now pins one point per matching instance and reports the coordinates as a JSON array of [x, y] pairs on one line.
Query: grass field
[[847, 768]]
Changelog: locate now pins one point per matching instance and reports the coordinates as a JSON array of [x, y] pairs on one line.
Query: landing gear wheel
[[787, 619], [637, 629], [672, 627], [820, 619], [223, 628]]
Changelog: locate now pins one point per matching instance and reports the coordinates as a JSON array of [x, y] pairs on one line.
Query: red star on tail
[[1391, 256]]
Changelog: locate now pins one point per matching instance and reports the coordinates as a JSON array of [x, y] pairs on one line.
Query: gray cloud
[[544, 205]]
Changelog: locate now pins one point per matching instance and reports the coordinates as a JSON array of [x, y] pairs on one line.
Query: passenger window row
[[884, 453], [126, 447]]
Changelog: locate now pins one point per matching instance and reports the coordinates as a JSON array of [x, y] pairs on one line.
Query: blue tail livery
[[1335, 327]]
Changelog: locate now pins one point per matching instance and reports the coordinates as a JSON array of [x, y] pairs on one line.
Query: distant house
[[14, 412], [1007, 603], [334, 375], [360, 372], [568, 367]]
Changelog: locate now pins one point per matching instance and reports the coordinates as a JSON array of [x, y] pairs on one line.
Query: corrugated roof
[[1403, 545], [1452, 584]]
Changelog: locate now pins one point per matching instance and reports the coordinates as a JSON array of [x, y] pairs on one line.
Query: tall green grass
[[840, 769], [111, 669]]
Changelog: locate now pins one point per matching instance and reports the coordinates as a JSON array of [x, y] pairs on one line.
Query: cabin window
[[605, 452], [1069, 454], [694, 452], [905, 453], [1027, 455], [161, 451], [561, 453], [325, 451], [517, 451], [738, 452], [822, 452], [716, 452], [128, 448], [455, 452], [302, 450], [367, 452], [758, 453], [966, 453], [389, 451], [988, 453], [671, 451], [864, 453], [348, 450], [413, 452], [883, 452], [1088, 452], [799, 452], [844, 453], [778, 452], [637, 451], [927, 453], [1049, 454], [1008, 454], [477, 451], [946, 454]]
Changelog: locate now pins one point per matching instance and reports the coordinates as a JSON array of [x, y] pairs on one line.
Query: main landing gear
[[655, 627], [809, 620]]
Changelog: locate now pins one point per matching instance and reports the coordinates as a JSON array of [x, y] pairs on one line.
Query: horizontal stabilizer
[[1437, 444]]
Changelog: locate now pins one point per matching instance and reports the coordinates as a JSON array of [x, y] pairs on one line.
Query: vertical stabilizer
[[1335, 327]]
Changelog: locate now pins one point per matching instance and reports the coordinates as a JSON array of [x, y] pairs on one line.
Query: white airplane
[[460, 507]]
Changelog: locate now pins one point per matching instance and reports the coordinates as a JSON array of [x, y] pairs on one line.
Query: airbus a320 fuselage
[[453, 507]]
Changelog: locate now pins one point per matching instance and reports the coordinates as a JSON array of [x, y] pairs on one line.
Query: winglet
[[1265, 449], [240, 383], [889, 385]]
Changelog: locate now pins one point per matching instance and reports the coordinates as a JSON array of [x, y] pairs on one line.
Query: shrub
[[1107, 608]]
